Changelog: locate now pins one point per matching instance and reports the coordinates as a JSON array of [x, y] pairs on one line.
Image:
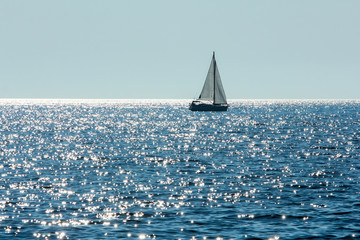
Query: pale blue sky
[[162, 49]]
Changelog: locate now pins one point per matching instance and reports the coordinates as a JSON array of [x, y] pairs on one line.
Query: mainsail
[[213, 89]]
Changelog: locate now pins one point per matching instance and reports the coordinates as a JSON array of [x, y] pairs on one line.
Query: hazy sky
[[162, 49]]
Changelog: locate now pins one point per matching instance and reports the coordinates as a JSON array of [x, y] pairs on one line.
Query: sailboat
[[212, 96]]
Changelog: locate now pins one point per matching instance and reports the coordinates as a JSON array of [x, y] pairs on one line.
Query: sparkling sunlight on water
[[110, 169]]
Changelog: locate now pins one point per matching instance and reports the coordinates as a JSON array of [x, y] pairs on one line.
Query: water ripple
[[146, 169]]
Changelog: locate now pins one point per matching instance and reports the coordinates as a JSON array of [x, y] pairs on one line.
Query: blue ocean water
[[110, 169]]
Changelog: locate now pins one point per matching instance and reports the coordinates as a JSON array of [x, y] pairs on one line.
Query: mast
[[214, 75]]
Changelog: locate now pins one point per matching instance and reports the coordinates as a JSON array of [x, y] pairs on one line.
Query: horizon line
[[146, 98], [182, 99]]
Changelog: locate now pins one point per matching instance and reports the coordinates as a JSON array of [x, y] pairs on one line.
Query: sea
[[152, 169]]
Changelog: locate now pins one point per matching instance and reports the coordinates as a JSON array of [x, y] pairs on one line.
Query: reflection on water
[[145, 169]]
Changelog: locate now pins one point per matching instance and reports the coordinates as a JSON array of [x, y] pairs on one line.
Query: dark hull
[[208, 107]]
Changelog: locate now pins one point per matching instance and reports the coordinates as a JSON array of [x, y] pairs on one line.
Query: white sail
[[220, 97], [213, 89], [207, 92]]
